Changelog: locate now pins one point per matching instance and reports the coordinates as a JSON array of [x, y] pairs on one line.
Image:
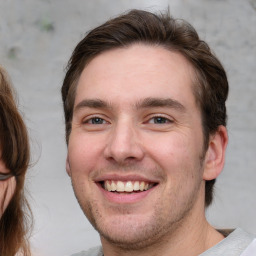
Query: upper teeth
[[127, 186]]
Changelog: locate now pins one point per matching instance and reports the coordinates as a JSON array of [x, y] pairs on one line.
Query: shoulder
[[96, 251], [251, 249], [241, 237], [233, 245]]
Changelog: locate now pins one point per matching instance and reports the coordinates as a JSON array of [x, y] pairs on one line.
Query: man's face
[[135, 152]]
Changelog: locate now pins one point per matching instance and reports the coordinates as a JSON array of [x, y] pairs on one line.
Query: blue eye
[[95, 123], [96, 120], [159, 120]]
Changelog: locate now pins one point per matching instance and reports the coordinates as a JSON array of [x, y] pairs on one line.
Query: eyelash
[[166, 119], [90, 120], [102, 121]]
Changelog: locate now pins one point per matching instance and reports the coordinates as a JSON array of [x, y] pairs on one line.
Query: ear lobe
[[68, 167], [215, 155]]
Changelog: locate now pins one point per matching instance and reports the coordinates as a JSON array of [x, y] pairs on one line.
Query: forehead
[[136, 71]]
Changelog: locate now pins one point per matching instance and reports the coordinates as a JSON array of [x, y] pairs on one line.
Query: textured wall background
[[36, 40]]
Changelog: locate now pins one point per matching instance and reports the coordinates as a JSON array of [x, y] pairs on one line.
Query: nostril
[[123, 144], [124, 155]]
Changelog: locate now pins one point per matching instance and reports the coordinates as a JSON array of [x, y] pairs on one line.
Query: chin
[[130, 232]]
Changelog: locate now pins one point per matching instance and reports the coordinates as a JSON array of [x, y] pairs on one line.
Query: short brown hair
[[15, 153], [137, 26]]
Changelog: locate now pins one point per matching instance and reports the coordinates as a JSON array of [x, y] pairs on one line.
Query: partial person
[[144, 102], [15, 214]]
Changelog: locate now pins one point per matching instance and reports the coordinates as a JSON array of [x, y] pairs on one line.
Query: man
[[144, 102]]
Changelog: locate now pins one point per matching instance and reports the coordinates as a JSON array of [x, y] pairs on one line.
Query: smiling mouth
[[126, 186]]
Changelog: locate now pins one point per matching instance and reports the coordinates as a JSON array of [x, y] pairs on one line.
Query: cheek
[[178, 155], [83, 152], [170, 149], [7, 189]]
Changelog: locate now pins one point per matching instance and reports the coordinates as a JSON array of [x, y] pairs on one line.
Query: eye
[[159, 120], [95, 121]]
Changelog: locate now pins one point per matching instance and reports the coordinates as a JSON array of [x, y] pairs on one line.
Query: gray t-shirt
[[233, 245], [97, 251]]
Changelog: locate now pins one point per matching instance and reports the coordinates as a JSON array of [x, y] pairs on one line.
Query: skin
[[7, 188], [136, 118]]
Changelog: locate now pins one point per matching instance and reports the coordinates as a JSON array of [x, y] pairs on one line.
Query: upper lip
[[128, 177]]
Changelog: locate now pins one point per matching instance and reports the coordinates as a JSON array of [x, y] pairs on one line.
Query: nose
[[123, 145]]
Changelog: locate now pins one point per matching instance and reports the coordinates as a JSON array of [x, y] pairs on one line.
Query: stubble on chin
[[126, 232]]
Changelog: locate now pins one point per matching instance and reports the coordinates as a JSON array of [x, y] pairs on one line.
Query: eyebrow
[[91, 103], [145, 103], [160, 102]]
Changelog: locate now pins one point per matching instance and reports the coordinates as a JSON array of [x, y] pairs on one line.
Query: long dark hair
[[16, 220]]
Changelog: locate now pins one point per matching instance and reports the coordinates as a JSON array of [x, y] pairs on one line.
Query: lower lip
[[125, 198]]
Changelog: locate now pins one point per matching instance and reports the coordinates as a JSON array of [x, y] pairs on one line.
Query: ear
[[215, 155], [68, 166]]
